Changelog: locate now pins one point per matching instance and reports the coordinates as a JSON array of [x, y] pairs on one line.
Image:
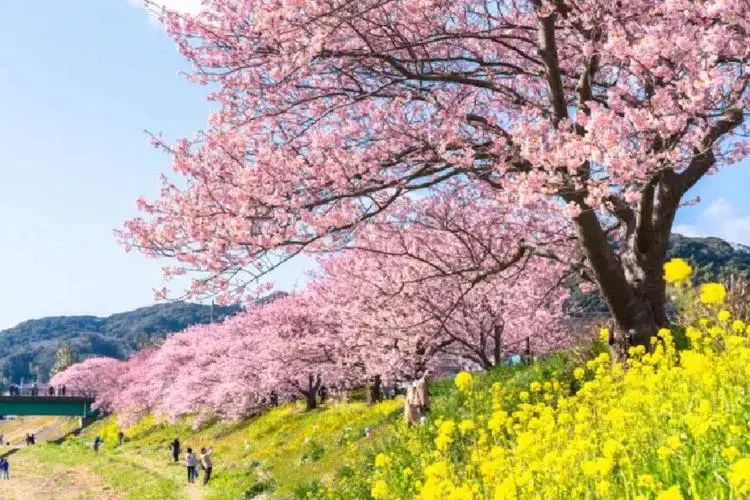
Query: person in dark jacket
[[175, 448]]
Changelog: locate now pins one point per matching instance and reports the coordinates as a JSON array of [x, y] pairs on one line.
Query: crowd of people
[[16, 390], [194, 462]]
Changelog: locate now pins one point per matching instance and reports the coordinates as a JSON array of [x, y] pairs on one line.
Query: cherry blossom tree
[[331, 111], [304, 348], [437, 281], [99, 377]]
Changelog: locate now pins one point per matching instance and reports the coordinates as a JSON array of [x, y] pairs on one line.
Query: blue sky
[[79, 82]]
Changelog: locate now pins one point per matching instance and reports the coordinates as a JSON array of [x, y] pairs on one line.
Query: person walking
[[51, 391], [97, 442], [5, 468], [191, 461], [175, 448], [63, 390], [120, 437], [206, 463]]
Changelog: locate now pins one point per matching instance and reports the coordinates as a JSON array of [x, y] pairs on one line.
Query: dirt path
[[29, 480], [168, 470]]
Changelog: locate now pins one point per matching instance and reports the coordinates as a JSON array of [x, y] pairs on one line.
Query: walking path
[[31, 480]]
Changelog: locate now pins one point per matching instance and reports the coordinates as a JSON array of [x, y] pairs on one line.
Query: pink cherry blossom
[[333, 116]]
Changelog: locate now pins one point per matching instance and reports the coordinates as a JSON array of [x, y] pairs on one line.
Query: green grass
[[131, 480], [284, 453]]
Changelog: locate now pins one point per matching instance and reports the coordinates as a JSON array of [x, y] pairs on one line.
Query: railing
[[43, 392]]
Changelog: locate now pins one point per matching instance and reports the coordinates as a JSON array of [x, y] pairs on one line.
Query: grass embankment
[[285, 453], [44, 428]]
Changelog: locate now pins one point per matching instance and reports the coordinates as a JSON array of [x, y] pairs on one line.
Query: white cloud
[[720, 219], [187, 6]]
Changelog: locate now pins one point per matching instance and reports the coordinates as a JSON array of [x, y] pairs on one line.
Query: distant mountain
[[28, 350], [712, 259]]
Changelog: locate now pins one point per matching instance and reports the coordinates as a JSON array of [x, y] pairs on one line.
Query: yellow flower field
[[668, 424]]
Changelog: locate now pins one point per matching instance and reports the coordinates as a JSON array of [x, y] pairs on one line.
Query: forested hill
[[29, 349], [712, 258]]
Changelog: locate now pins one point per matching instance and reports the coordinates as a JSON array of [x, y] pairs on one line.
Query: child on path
[[191, 461]]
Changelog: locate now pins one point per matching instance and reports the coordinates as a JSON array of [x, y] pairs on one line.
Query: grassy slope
[[285, 453]]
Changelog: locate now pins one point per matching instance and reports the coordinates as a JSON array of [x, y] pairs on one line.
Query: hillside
[[712, 257], [28, 350]]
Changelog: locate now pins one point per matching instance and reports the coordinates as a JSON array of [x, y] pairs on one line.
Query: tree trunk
[[497, 348], [631, 283], [311, 400], [311, 391], [374, 390]]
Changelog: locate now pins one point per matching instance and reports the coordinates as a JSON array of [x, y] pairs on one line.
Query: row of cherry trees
[[333, 115], [443, 287]]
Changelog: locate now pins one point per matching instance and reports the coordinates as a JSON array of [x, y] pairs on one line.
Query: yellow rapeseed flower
[[647, 481], [603, 486], [677, 271], [674, 442], [724, 315], [730, 453], [713, 294], [664, 452], [379, 489], [549, 440], [497, 421], [382, 460], [739, 476], [604, 335], [672, 493], [466, 425], [437, 469], [464, 381]]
